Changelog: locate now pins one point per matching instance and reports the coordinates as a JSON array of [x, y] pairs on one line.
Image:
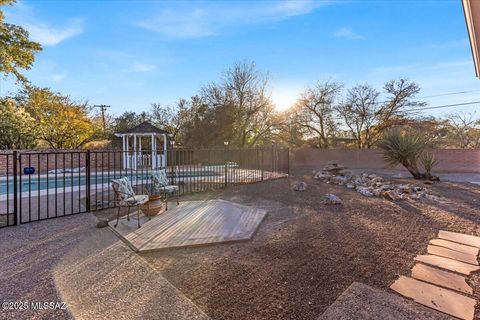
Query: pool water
[[34, 183]]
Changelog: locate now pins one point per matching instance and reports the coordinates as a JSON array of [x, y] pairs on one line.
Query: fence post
[[288, 161], [88, 180], [15, 187], [261, 161], [226, 173]]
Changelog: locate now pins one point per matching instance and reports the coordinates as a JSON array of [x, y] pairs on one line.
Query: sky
[[129, 54]]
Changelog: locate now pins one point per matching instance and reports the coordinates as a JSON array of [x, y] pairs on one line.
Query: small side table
[[153, 206]]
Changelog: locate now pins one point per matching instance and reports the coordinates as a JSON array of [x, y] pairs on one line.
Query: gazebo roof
[[143, 128]]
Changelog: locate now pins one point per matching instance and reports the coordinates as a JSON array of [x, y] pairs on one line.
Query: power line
[[448, 94], [445, 106]]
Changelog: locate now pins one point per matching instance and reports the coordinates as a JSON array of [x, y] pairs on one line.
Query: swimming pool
[[34, 183]]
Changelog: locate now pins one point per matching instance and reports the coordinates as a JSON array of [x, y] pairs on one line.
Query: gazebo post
[[164, 164], [152, 151], [127, 152], [123, 153], [135, 151]]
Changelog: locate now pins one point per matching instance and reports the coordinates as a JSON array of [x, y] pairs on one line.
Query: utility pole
[[102, 110]]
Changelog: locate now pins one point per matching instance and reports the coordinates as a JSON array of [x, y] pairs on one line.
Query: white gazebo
[[133, 156]]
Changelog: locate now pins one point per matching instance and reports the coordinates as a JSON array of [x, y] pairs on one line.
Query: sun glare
[[284, 99]]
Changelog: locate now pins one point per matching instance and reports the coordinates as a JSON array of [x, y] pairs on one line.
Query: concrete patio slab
[[440, 277], [447, 264], [455, 246], [361, 301], [452, 254], [191, 223], [437, 298], [102, 278], [460, 238]]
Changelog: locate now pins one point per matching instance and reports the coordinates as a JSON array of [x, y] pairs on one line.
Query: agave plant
[[405, 149], [428, 161]]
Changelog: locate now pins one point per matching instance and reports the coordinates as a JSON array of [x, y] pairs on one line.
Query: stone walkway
[[438, 279]]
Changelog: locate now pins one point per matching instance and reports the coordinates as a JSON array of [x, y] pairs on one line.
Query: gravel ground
[[305, 254]]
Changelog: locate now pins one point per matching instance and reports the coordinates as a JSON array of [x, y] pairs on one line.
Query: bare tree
[[243, 102], [360, 112], [315, 111], [367, 117], [464, 130]]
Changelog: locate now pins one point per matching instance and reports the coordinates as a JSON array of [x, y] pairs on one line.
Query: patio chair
[[160, 185], [126, 197]]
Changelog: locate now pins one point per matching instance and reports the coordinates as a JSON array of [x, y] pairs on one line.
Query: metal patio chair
[[126, 197], [160, 185]]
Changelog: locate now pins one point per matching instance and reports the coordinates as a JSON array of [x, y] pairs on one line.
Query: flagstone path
[[438, 279]]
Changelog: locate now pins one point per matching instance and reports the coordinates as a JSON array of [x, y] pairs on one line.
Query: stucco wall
[[451, 160]]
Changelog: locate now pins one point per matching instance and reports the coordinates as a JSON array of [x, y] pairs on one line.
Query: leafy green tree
[[61, 122], [16, 50], [17, 127]]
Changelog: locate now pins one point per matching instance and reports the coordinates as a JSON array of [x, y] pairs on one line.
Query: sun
[[284, 99]]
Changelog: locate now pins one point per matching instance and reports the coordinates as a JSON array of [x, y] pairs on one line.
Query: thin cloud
[[143, 67], [347, 33], [41, 31], [186, 23], [58, 77], [49, 36]]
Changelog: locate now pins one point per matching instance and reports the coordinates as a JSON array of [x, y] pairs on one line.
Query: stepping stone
[[460, 238], [455, 246], [448, 264], [360, 301], [437, 298], [452, 254], [440, 277]]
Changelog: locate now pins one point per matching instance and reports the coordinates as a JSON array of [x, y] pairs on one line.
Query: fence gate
[[36, 186]]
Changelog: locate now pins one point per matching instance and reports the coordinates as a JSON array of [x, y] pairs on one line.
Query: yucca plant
[[428, 161], [405, 149]]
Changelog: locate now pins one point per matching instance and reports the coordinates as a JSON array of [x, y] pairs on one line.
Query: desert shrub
[[405, 148]]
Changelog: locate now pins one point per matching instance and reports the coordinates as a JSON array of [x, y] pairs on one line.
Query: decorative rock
[[373, 185], [321, 176], [102, 223], [300, 186], [390, 194], [365, 191], [346, 173], [405, 188], [350, 185], [331, 199], [340, 180], [376, 179]]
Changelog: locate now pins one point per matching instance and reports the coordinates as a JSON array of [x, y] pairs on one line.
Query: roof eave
[[468, 11]]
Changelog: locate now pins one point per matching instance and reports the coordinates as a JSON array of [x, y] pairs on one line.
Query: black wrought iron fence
[[43, 185]]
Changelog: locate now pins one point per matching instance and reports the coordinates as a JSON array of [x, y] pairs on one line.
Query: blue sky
[[129, 54]]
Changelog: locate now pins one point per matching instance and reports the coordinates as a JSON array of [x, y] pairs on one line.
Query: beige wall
[[451, 160]]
